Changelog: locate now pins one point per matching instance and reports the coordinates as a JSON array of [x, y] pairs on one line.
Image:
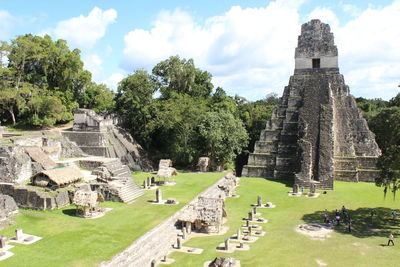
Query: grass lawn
[[282, 246], [71, 241]]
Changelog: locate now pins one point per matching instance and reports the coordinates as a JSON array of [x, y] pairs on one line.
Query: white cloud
[[250, 51], [235, 47], [84, 31], [6, 23], [370, 52], [350, 9], [113, 80], [93, 63], [325, 15]]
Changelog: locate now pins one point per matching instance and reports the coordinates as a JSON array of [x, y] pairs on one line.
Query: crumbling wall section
[[33, 199]]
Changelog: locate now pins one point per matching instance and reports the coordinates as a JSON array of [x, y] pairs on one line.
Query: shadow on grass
[[363, 224], [70, 212]]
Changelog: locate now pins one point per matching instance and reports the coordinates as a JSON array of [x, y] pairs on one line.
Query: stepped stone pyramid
[[317, 133]]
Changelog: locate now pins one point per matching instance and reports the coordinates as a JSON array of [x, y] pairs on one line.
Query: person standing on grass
[[326, 218], [391, 237]]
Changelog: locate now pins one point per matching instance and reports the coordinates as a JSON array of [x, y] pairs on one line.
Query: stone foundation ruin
[[317, 133]]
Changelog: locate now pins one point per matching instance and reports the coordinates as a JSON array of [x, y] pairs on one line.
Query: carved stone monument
[[159, 196], [259, 201], [3, 240], [227, 244], [19, 234]]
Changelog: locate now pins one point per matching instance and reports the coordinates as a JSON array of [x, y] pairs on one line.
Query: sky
[[248, 45]]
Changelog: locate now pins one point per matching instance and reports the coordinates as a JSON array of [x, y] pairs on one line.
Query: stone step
[[118, 172]]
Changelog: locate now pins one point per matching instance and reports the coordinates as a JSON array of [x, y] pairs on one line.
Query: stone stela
[[159, 196]]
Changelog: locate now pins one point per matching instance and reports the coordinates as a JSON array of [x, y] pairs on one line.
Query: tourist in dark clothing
[[372, 212], [391, 237]]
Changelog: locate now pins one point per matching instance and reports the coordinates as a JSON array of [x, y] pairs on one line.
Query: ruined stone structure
[[317, 132], [99, 136], [114, 181]]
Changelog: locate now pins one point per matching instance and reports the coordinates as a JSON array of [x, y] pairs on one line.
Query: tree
[[389, 164], [223, 137], [134, 103], [182, 77], [97, 97], [173, 129], [386, 126], [49, 65]]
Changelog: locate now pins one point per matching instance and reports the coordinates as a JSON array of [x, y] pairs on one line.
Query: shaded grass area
[[282, 246], [71, 241]]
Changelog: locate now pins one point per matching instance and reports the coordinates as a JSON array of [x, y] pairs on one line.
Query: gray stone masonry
[[317, 133], [100, 137]]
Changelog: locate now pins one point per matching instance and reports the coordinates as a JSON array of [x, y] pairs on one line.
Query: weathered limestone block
[[15, 164], [8, 208]]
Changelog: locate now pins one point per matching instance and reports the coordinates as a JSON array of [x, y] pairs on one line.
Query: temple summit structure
[[317, 133]]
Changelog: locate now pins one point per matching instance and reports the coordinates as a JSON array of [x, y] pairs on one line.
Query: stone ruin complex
[[317, 133], [42, 169], [100, 136]]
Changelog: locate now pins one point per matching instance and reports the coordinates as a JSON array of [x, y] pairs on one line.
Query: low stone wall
[[158, 242], [32, 199]]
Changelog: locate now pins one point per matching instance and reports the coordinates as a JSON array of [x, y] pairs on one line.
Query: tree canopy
[[43, 81]]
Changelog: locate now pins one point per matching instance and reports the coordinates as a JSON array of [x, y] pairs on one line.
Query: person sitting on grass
[[394, 213], [337, 220], [372, 212]]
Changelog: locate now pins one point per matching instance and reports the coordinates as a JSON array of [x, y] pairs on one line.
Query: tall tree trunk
[[11, 111]]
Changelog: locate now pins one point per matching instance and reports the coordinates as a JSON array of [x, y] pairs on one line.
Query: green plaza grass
[[72, 241], [283, 246]]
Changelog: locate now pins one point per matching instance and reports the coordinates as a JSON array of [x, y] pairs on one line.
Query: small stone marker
[[247, 223], [249, 231], [153, 263], [19, 234], [148, 181], [164, 258], [250, 215], [241, 245], [3, 242], [259, 201], [254, 210], [295, 188], [239, 234], [227, 244], [145, 184], [153, 180], [158, 195], [178, 243]]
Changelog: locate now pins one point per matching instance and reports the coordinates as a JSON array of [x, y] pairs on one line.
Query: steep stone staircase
[[124, 187]]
